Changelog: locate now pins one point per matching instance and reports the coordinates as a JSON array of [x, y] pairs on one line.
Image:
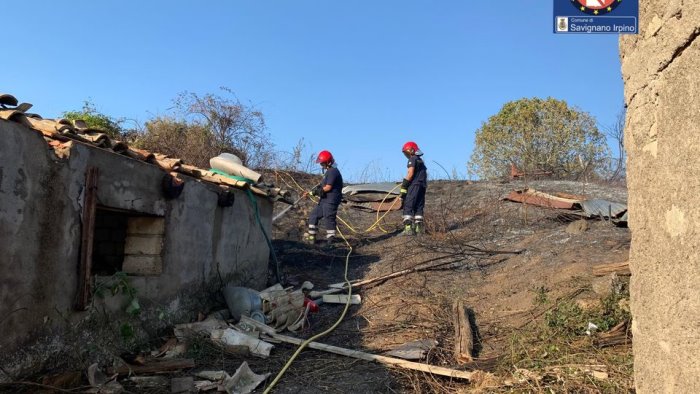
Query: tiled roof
[[61, 134]]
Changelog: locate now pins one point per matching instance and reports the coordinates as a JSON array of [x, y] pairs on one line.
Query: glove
[[404, 188], [318, 191]]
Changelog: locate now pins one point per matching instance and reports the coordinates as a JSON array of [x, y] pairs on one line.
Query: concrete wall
[[40, 231], [661, 71]]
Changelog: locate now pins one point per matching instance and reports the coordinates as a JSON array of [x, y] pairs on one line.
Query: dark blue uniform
[[415, 197], [327, 207]]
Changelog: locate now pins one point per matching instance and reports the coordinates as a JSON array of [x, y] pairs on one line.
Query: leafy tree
[[538, 135], [97, 120]]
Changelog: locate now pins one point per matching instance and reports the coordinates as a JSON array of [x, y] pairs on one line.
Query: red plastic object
[[313, 307]]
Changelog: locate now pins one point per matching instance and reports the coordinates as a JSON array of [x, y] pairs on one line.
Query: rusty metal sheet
[[540, 199]]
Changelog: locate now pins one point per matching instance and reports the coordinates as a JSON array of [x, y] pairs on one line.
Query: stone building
[[77, 207]]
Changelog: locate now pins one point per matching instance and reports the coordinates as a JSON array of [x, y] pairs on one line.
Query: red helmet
[[325, 157], [410, 145]]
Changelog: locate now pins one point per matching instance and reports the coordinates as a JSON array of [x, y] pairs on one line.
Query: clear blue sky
[[356, 77]]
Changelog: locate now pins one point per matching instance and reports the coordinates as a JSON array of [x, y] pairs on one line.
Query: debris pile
[[578, 205]]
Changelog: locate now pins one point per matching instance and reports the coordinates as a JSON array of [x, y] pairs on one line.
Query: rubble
[[234, 341], [414, 350]]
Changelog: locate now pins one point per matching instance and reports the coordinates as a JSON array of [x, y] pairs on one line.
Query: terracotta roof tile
[[60, 135]]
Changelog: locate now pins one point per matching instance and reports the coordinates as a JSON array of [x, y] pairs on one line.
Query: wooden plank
[[355, 299], [464, 340], [534, 197], [621, 269], [395, 362], [153, 367], [86, 240]]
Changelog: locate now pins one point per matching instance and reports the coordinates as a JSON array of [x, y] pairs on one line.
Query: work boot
[[309, 238], [408, 229], [419, 229]]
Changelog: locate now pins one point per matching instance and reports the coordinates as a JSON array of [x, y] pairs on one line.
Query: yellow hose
[[377, 223], [331, 328], [345, 276]]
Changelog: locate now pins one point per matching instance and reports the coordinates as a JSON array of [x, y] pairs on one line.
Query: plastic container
[[231, 164], [243, 301]]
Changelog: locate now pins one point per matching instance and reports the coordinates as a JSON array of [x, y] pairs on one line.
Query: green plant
[[95, 119], [119, 283], [569, 319]]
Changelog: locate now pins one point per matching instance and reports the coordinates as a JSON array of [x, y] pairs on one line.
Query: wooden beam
[[464, 340], [86, 240], [621, 269], [395, 362]]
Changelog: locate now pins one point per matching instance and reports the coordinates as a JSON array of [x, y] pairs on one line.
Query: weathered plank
[[87, 238], [621, 269], [464, 342], [395, 362]]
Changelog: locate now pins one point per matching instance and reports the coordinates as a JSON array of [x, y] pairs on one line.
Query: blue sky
[[358, 78]]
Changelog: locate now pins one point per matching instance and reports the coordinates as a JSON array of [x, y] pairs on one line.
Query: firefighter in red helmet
[[329, 193], [413, 189]]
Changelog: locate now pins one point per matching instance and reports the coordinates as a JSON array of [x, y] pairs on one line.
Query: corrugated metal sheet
[[603, 208], [377, 206], [384, 187], [540, 199]]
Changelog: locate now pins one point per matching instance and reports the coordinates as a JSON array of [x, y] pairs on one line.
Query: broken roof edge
[[62, 131]]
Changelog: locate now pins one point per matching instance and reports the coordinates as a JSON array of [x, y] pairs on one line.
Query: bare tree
[[616, 132], [234, 126]]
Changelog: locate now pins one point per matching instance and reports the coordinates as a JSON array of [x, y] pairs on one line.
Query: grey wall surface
[[40, 230], [661, 70]]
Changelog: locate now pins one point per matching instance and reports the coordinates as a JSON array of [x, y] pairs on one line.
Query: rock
[[577, 227], [602, 286]]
